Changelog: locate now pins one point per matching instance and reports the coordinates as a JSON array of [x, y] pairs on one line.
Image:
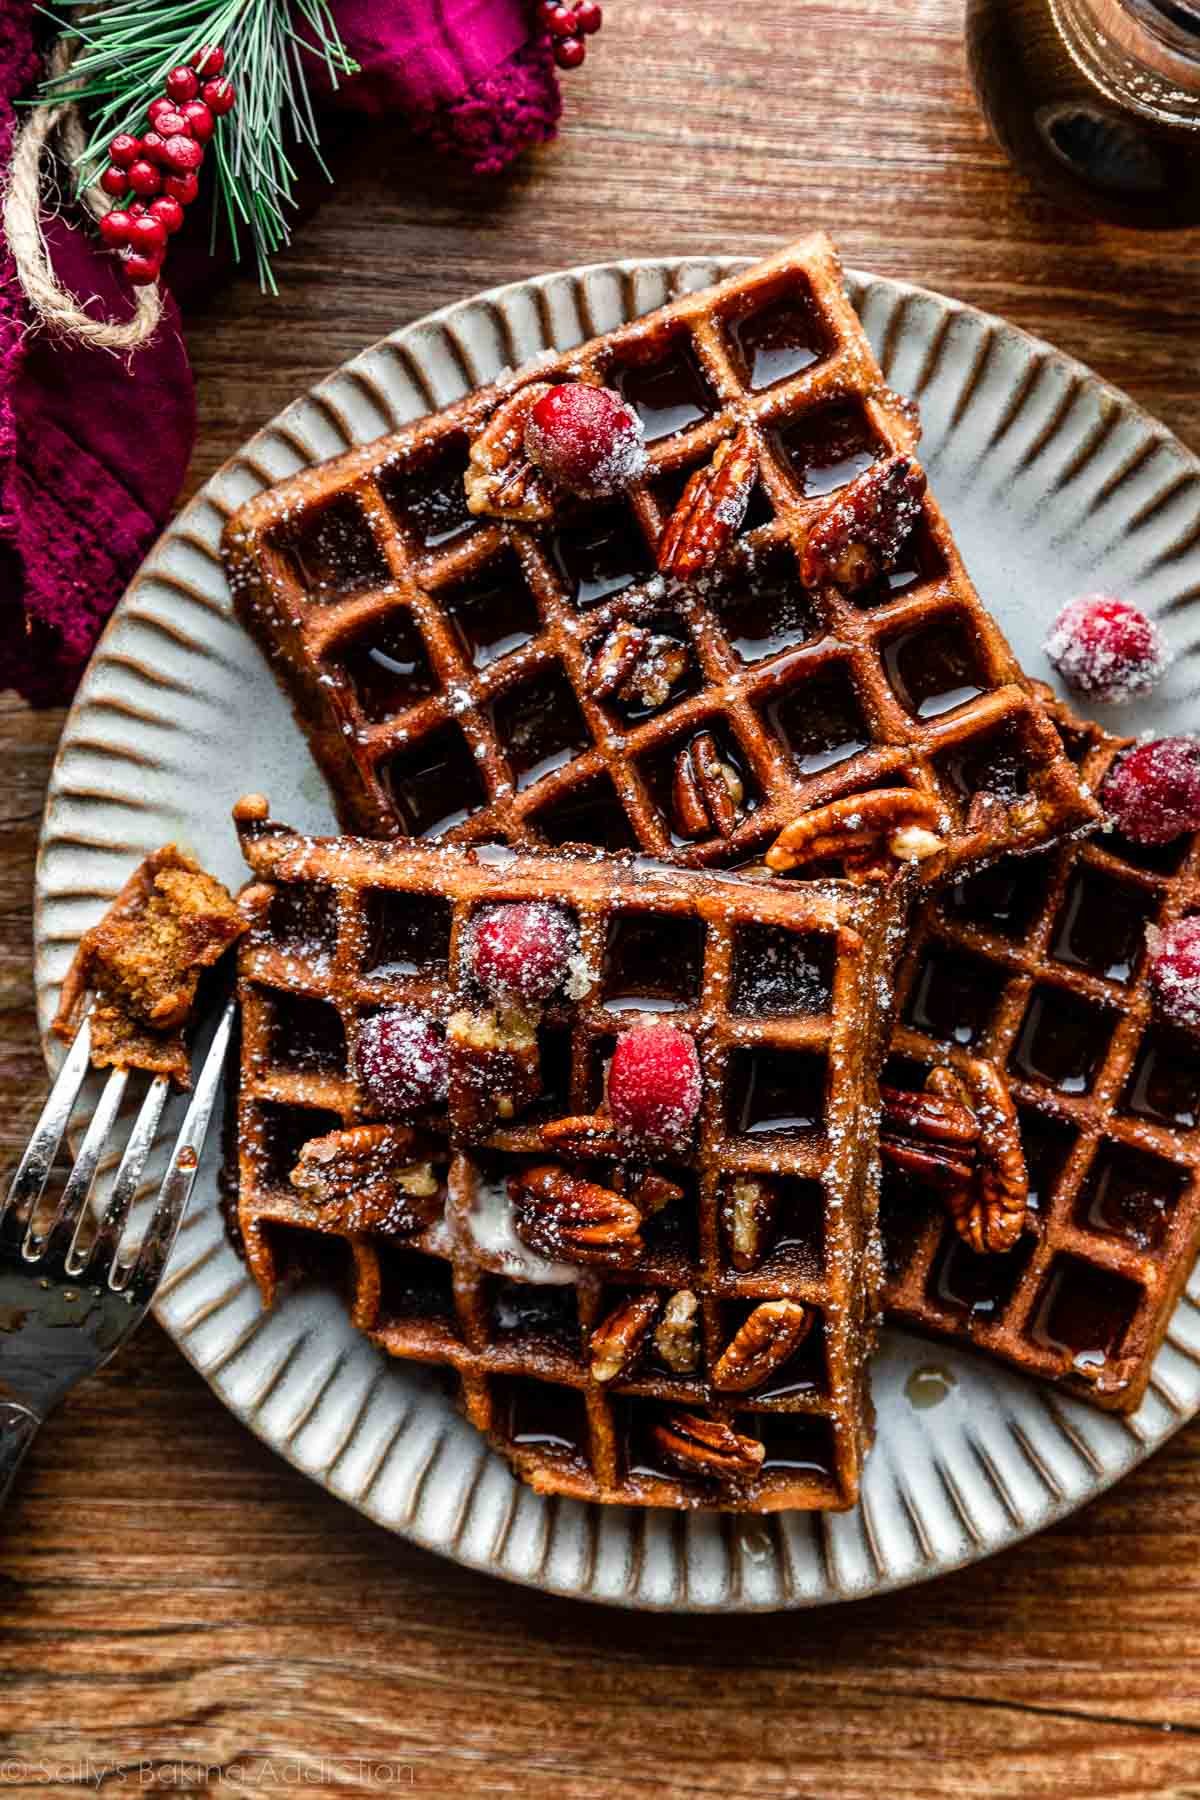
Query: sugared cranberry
[[589, 17], [144, 178], [402, 1061], [1153, 791], [521, 950], [654, 1083], [123, 150], [183, 188], [200, 121], [114, 227], [169, 211], [115, 181], [569, 52], [208, 61], [586, 438], [219, 96], [182, 155], [1175, 972], [1106, 648], [141, 270], [182, 84]]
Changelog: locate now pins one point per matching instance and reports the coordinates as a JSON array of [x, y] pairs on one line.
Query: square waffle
[[1040, 964], [784, 989], [443, 664]]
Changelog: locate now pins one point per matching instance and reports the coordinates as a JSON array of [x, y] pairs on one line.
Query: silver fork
[[67, 1302]]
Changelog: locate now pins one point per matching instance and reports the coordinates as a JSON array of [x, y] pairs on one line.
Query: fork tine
[[100, 1252], [79, 1181], [33, 1171], [144, 1274]]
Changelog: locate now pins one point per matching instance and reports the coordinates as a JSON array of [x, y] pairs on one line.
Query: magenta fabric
[[465, 72], [94, 447]]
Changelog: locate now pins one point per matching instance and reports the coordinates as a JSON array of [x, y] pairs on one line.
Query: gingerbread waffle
[[445, 666], [1040, 964], [784, 989]]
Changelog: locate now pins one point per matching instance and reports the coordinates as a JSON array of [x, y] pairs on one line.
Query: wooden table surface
[[178, 1604]]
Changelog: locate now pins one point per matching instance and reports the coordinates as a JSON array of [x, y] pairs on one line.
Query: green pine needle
[[127, 51]]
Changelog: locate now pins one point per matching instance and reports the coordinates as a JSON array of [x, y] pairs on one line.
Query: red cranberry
[[1175, 972], [152, 148], [182, 84], [182, 155], [208, 61], [586, 438], [402, 1061], [589, 16], [169, 211], [200, 121], [144, 178], [156, 107], [521, 950], [1106, 648], [147, 234], [559, 20], [141, 270], [654, 1083], [115, 181], [1153, 791], [171, 124], [114, 227], [183, 188], [569, 52], [123, 150], [219, 96]]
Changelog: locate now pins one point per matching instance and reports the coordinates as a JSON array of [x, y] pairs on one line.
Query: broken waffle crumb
[[143, 963]]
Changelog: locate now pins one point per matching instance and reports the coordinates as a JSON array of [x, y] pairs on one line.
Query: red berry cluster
[[568, 27], [155, 176]]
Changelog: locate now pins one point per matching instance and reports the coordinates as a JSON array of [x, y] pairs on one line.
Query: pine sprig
[[127, 51]]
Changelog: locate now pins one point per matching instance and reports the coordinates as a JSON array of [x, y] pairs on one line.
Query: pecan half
[[961, 1136], [991, 1217], [501, 479], [749, 1209], [711, 508], [707, 791], [677, 1335], [867, 833], [617, 1341], [370, 1178], [637, 666], [495, 1066], [564, 1217], [707, 1447], [932, 1135], [860, 534], [649, 1190], [762, 1344]]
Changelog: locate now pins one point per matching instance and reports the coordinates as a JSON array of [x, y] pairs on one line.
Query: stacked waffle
[[570, 1063]]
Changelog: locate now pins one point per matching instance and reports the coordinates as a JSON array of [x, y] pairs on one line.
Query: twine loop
[[21, 215]]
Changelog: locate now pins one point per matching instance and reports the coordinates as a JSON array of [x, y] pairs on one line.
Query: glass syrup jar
[[1097, 100]]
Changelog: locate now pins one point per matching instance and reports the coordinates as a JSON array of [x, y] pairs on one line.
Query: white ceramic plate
[[1055, 484]]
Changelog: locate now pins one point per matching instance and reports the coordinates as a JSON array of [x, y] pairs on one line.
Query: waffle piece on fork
[[682, 1319], [540, 680], [1039, 967]]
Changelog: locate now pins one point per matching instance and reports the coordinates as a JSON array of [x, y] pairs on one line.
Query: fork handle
[[18, 1428]]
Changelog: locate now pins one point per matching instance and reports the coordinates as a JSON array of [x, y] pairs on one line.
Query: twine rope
[[54, 305]]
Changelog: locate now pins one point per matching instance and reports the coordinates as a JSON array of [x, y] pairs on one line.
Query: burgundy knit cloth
[[94, 447]]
